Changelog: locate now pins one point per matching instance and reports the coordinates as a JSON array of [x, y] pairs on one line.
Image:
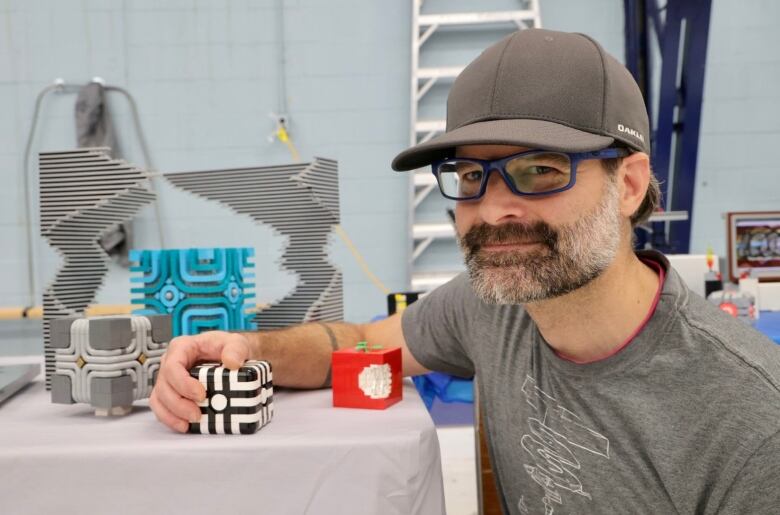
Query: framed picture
[[754, 245]]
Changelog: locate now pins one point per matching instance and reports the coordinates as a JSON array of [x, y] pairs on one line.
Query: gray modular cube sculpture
[[84, 194], [107, 362], [301, 202]]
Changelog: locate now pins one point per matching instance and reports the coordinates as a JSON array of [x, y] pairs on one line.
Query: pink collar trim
[[661, 277]]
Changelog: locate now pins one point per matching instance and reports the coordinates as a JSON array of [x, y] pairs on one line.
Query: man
[[607, 386]]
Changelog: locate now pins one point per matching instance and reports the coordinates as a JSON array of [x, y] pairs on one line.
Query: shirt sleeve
[[437, 329], [755, 489]]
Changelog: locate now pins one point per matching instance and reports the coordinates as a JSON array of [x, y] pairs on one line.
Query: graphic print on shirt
[[552, 433]]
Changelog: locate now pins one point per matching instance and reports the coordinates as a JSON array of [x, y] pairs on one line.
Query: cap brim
[[521, 132]]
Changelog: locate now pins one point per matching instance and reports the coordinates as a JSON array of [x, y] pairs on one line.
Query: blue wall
[[205, 75], [738, 168]]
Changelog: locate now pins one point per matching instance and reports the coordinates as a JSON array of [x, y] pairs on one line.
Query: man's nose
[[499, 204]]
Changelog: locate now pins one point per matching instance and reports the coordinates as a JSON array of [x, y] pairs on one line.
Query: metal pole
[[32, 281]]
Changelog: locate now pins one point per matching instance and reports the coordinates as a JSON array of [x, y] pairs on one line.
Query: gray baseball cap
[[540, 89]]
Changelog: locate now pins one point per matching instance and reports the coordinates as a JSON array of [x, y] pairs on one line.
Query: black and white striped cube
[[237, 401]]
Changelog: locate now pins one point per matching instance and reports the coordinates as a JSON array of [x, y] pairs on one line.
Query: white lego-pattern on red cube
[[376, 381]]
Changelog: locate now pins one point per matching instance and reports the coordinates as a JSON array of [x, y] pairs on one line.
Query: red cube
[[366, 377]]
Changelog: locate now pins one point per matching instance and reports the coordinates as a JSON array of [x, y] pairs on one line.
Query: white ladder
[[422, 182]]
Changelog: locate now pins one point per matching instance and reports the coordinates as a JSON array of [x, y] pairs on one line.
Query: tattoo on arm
[[335, 345]]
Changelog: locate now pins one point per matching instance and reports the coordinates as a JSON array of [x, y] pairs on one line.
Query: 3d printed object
[[83, 194], [301, 202], [366, 377], [107, 362], [237, 401], [202, 289]]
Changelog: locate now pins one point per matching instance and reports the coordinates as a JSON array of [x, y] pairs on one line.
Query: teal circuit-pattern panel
[[202, 289]]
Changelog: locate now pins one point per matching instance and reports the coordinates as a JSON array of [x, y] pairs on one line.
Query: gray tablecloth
[[312, 458]]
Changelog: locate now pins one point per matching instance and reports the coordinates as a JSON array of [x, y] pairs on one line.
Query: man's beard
[[566, 258]]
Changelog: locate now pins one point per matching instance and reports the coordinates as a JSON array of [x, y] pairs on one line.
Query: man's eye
[[474, 176], [541, 170]]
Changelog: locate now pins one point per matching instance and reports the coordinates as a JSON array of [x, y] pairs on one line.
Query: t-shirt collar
[[674, 294]]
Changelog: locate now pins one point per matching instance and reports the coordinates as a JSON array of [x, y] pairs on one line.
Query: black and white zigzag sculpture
[[237, 401], [301, 202], [84, 193]]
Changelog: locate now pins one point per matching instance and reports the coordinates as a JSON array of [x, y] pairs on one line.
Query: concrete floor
[[458, 460]]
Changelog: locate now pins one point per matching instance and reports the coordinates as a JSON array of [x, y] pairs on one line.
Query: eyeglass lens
[[541, 172]]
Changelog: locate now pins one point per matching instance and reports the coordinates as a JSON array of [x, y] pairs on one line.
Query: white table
[[311, 459]]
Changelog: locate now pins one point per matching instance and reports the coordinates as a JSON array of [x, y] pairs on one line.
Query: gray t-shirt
[[685, 419]]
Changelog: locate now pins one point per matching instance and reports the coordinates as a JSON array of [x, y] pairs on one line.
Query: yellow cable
[[284, 137], [360, 261], [293, 151]]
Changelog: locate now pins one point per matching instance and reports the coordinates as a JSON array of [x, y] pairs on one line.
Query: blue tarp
[[769, 323], [444, 386]]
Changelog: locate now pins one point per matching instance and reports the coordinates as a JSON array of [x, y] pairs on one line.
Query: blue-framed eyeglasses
[[535, 172]]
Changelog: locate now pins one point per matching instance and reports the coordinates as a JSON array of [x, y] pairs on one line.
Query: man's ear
[[634, 178]]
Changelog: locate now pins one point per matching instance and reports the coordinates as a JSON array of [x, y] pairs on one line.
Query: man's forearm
[[301, 355]]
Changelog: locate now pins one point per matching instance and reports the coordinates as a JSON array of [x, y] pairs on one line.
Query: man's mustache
[[510, 233]]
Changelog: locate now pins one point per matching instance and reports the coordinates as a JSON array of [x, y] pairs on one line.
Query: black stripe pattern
[[237, 401], [83, 194], [301, 202]]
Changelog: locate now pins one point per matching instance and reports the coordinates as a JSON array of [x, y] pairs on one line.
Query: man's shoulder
[[716, 338], [725, 368], [742, 395], [457, 290], [456, 303], [734, 368], [733, 339]]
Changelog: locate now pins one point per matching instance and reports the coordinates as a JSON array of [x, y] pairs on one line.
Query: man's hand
[[176, 393], [300, 356]]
